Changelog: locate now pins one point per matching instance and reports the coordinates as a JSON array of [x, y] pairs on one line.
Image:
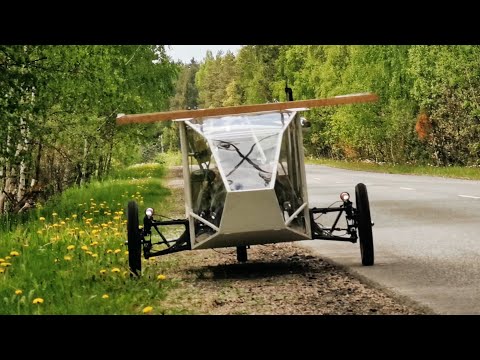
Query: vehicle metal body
[[245, 184]]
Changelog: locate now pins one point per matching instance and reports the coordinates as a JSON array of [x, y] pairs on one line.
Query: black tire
[[242, 255], [364, 225], [134, 241]]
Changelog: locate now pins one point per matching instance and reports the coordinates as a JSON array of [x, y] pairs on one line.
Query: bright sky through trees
[[186, 52]]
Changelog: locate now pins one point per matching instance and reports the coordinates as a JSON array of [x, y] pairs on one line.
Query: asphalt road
[[426, 235]]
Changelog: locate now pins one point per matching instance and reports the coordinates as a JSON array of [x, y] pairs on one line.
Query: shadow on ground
[[259, 269]]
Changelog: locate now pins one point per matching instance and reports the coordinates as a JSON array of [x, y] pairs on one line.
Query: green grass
[[71, 251], [458, 172]]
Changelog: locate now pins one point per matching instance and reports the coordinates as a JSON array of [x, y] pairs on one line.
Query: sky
[[186, 52]]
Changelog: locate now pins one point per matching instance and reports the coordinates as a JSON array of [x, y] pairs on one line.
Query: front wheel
[[134, 241], [364, 225]]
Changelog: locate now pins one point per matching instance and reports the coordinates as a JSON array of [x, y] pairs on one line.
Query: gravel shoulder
[[278, 279]]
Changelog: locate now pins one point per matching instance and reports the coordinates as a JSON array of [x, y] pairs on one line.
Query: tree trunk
[[84, 163]]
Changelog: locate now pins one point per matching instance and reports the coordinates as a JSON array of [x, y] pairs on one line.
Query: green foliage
[[61, 108]]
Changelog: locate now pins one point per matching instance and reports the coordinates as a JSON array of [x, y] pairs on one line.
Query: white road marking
[[471, 197], [404, 188]]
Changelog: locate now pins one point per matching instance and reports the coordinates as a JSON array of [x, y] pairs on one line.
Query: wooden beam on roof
[[123, 119]]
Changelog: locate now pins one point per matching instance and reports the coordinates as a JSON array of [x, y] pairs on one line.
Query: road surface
[[426, 234]]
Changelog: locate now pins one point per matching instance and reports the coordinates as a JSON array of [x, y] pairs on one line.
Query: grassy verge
[[470, 173], [70, 257]]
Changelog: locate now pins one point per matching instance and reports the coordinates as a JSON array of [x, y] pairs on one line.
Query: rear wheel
[[134, 241], [364, 225], [242, 254]]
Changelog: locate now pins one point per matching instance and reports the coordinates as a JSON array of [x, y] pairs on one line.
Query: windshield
[[246, 147]]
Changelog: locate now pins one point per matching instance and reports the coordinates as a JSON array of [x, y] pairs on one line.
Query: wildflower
[[2, 260], [74, 216], [5, 264], [95, 255], [109, 251], [67, 258], [126, 252], [18, 292], [117, 251], [39, 231], [7, 257], [120, 213], [14, 253], [37, 301], [2, 271], [115, 270], [88, 252], [116, 218], [41, 218], [147, 309], [62, 222], [105, 296], [84, 247], [161, 277], [70, 247], [81, 232], [54, 214], [95, 243], [103, 271]]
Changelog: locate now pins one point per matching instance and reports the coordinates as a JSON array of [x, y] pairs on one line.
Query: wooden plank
[[234, 110]]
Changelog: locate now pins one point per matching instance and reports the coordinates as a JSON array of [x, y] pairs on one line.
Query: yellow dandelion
[[115, 270], [5, 264], [7, 257], [2, 260], [116, 218], [147, 309], [74, 216], [126, 252], [18, 292], [62, 222], [81, 232], [95, 255], [14, 253], [67, 258], [109, 251], [96, 211], [39, 231], [161, 277], [88, 252], [84, 247], [117, 251], [105, 296], [95, 243], [41, 218], [70, 247], [37, 301], [103, 271], [54, 214], [120, 213], [55, 225], [2, 271]]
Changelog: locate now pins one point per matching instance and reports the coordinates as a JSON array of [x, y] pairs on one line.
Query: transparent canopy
[[246, 147]]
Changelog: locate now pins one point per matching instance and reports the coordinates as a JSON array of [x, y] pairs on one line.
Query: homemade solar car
[[245, 184]]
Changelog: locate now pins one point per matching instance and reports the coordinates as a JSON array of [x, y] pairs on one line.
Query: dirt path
[[278, 279]]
